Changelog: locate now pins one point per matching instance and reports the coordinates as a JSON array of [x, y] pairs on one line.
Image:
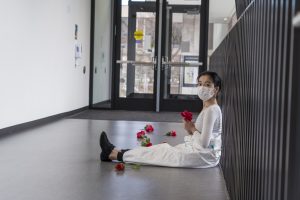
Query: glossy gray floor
[[60, 161]]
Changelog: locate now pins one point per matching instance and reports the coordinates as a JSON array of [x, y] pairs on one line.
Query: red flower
[[146, 142], [188, 116], [120, 167], [140, 134], [149, 128], [149, 144], [171, 133]]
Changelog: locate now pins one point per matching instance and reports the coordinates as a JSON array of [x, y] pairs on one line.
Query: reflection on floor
[[60, 161], [104, 104]]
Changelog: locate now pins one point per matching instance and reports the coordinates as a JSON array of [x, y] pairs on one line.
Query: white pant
[[182, 155]]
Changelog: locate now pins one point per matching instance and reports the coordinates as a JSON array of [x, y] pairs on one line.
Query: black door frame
[[177, 103], [145, 104], [129, 103], [134, 8]]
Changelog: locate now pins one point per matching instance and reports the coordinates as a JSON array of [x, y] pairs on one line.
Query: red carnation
[[146, 142], [188, 116], [149, 128], [120, 167], [171, 133], [140, 134], [149, 144]]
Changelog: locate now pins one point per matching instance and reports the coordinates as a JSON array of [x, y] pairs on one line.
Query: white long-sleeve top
[[209, 129]]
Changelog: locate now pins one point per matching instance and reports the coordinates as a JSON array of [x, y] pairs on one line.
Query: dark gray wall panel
[[255, 64], [294, 164], [241, 6]]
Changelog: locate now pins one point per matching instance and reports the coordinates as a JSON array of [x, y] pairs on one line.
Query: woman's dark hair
[[215, 78]]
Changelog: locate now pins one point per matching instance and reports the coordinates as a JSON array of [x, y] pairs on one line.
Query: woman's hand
[[189, 126]]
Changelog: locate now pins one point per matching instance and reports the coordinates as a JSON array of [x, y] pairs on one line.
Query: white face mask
[[205, 93]]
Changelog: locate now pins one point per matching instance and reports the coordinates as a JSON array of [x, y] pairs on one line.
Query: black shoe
[[106, 147], [106, 138], [103, 136]]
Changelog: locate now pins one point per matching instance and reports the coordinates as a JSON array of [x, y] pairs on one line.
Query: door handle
[[133, 62], [165, 60], [155, 63], [183, 64]]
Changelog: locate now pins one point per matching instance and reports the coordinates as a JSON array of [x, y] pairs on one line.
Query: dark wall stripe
[[254, 61], [294, 164], [241, 5]]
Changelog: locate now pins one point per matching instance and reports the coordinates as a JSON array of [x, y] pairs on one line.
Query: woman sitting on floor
[[201, 148]]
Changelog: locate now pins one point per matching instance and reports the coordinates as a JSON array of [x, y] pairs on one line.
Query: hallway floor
[[117, 115], [60, 161]]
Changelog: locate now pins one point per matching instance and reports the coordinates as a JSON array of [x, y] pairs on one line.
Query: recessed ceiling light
[[225, 19]]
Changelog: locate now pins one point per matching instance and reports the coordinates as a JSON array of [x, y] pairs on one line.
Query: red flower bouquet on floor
[[140, 135], [188, 116], [120, 167], [149, 128], [171, 133], [149, 144], [146, 142]]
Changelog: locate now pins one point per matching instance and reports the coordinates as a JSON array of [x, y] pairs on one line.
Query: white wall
[[38, 77], [220, 32], [220, 15], [102, 51]]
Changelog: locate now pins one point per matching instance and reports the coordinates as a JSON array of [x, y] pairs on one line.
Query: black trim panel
[[92, 35]]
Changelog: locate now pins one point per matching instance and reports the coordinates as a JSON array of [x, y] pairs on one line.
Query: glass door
[[182, 59], [136, 64], [158, 55]]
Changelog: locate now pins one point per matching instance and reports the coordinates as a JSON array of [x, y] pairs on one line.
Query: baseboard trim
[[24, 126]]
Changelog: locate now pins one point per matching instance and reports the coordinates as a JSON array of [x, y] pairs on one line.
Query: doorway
[[159, 50]]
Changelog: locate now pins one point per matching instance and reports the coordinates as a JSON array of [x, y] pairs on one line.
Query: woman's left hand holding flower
[[189, 126]]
